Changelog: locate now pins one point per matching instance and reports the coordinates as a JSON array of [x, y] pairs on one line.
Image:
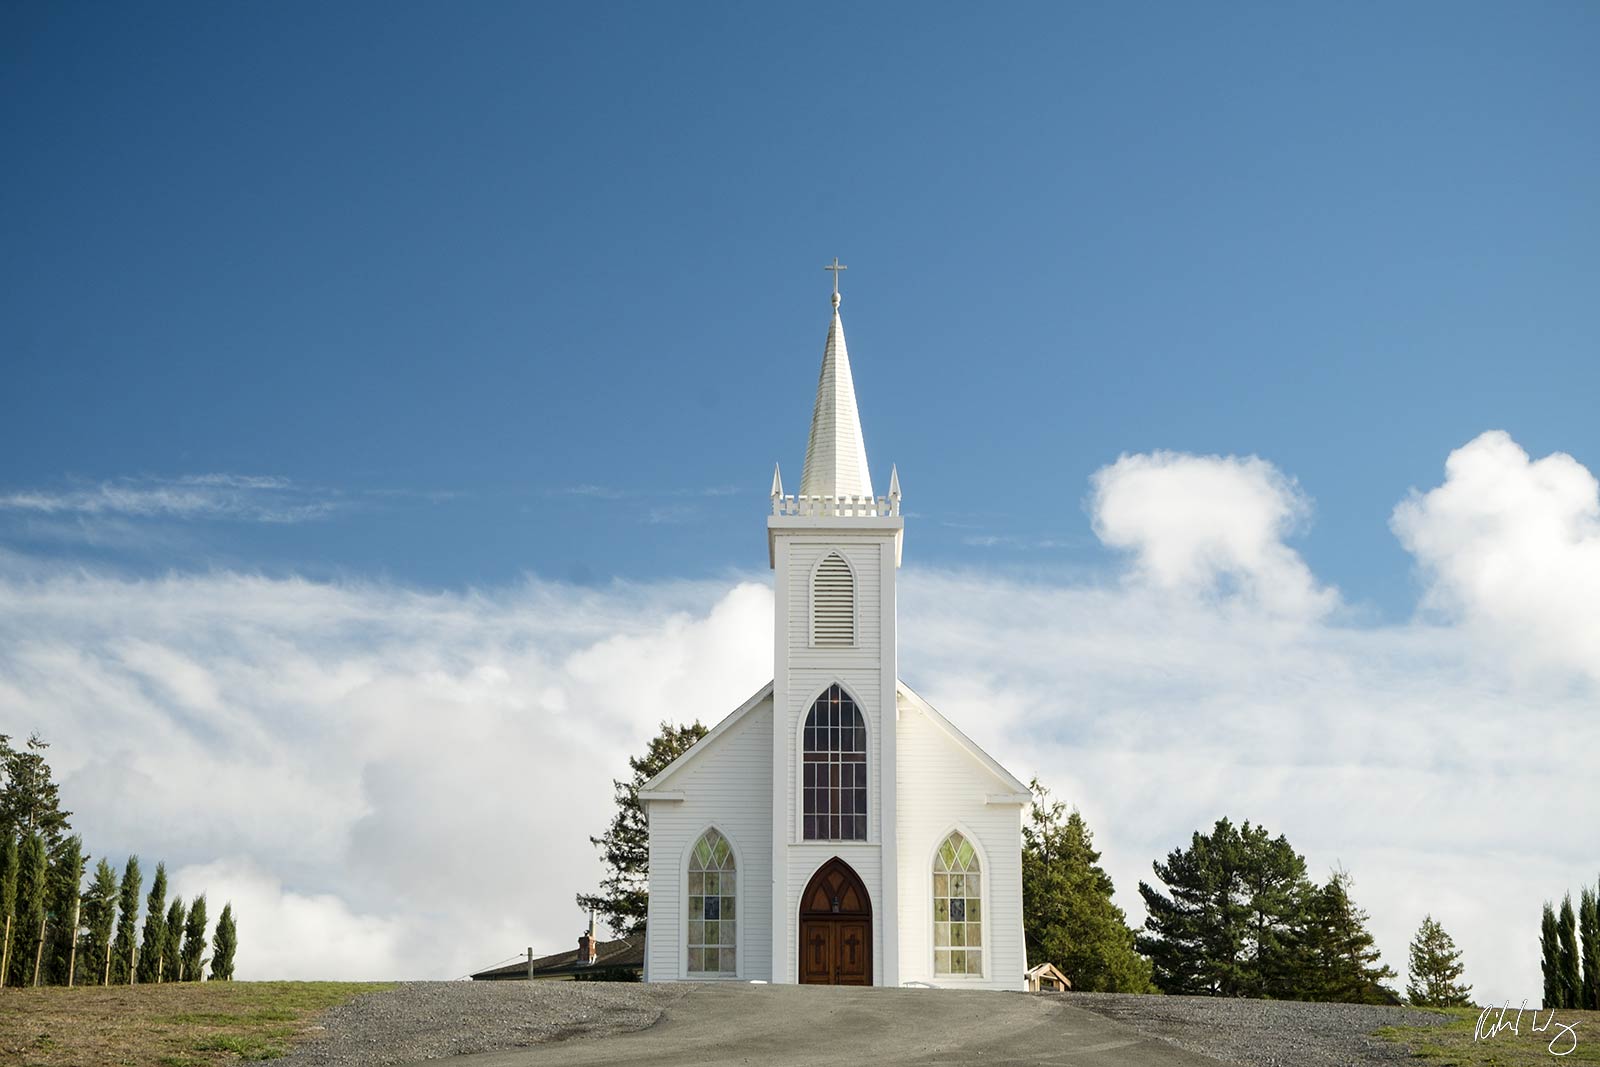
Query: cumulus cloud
[[1209, 525], [393, 783], [1510, 547]]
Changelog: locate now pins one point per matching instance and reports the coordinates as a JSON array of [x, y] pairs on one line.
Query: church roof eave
[[655, 784]]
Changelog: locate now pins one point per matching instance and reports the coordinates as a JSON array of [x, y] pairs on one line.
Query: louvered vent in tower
[[833, 603]]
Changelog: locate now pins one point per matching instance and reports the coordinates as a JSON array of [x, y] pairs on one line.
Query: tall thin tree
[[1570, 973], [194, 941], [125, 947], [1550, 957], [8, 903], [99, 916], [172, 942], [66, 879], [155, 927], [1589, 929], [223, 946], [32, 890]]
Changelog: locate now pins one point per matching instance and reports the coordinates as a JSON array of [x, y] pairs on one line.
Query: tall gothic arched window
[[712, 918], [835, 785], [957, 908]]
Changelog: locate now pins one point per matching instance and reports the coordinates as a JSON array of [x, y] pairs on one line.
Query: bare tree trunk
[[72, 952]]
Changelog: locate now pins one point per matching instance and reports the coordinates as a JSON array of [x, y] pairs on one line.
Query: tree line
[[1234, 914], [56, 931], [1569, 950]]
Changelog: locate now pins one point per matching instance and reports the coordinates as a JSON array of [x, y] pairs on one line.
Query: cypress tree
[[66, 879], [1550, 957], [172, 942], [122, 950], [1571, 980], [99, 915], [32, 889], [1589, 928], [8, 905], [155, 927], [1435, 969], [194, 941], [223, 946]]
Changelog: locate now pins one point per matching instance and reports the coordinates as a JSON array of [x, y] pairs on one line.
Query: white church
[[836, 828]]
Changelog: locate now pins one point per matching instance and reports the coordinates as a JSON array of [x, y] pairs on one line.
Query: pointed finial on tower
[[894, 482], [836, 269], [777, 482]]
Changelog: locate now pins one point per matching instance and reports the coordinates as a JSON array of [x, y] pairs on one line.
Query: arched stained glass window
[[712, 921], [835, 784], [957, 908]]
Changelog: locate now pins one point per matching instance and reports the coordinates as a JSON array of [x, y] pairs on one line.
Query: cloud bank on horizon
[[390, 783]]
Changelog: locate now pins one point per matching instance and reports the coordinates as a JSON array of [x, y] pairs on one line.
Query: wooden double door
[[835, 928]]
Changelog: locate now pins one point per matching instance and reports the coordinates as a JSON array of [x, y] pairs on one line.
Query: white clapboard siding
[[727, 786], [942, 787], [863, 557]]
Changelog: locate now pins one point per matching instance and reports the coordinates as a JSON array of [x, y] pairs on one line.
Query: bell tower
[[835, 549]]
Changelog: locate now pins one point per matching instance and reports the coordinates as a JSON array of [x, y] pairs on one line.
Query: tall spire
[[836, 456]]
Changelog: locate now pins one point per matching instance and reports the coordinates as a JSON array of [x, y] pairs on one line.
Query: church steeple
[[836, 455]]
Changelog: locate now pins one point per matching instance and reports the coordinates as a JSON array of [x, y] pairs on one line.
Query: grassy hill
[[172, 1025]]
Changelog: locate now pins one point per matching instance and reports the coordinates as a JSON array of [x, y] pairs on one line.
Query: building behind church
[[835, 828]]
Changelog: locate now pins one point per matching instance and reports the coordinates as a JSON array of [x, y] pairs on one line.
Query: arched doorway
[[836, 927]]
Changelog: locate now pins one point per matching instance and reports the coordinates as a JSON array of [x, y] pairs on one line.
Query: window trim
[[798, 829], [811, 600], [683, 908], [984, 898]]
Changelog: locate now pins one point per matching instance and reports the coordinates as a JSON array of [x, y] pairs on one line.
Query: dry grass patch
[[1470, 1039], [174, 1025]]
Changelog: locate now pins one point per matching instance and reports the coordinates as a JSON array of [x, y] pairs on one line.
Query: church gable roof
[[659, 782], [1017, 789]]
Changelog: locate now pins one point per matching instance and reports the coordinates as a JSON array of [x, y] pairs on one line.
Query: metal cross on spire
[[836, 269]]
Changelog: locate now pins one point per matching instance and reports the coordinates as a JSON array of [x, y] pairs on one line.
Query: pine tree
[[1550, 956], [155, 927], [99, 916], [1068, 917], [1435, 969], [1589, 928], [30, 802], [8, 905], [1571, 980], [194, 940], [624, 894], [1343, 960], [223, 946], [123, 949], [66, 879], [1237, 897], [32, 891]]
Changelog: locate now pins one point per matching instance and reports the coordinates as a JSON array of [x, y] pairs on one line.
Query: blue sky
[[350, 352], [440, 267]]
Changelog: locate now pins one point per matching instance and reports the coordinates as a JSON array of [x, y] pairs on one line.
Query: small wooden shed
[[1047, 978]]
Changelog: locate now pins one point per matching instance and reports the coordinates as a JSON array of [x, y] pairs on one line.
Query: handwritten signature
[[1564, 1031]]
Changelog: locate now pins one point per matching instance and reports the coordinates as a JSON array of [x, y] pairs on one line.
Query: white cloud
[[1209, 525], [238, 497], [392, 783]]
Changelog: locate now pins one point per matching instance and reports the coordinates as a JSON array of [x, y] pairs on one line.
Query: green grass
[[169, 1025], [1462, 1042]]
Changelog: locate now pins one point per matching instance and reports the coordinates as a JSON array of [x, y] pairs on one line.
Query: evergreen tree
[[624, 894], [32, 890], [1340, 960], [1589, 929], [1550, 957], [30, 802], [172, 942], [66, 879], [194, 940], [8, 905], [99, 916], [1237, 896], [1571, 980], [1435, 970], [124, 947], [223, 946], [155, 927], [1068, 917]]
